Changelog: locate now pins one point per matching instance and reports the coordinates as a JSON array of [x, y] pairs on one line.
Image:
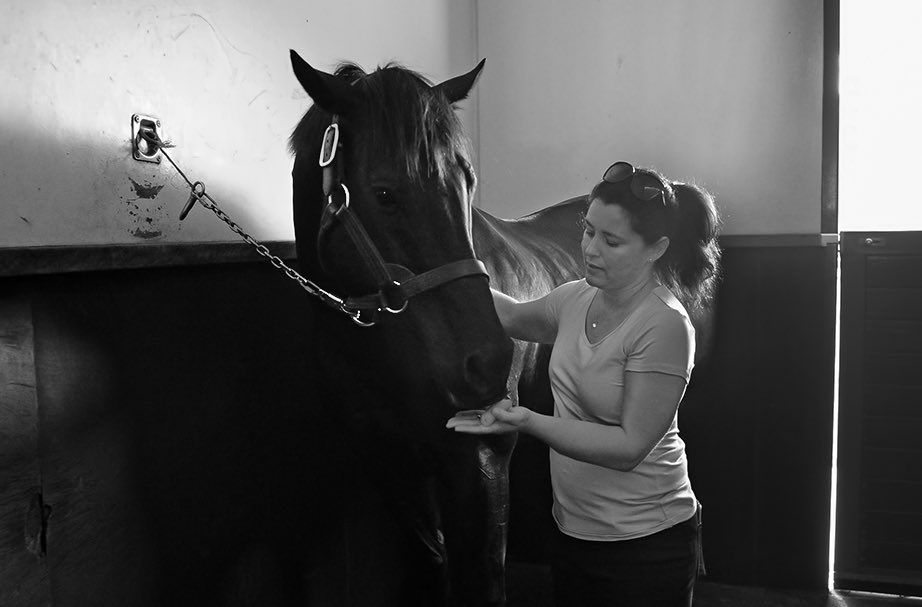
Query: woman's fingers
[[501, 417], [469, 414], [456, 421]]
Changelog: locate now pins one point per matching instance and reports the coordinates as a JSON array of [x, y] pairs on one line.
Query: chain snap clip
[[198, 190], [356, 317]]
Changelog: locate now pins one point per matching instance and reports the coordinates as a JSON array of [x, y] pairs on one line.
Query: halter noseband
[[396, 283]]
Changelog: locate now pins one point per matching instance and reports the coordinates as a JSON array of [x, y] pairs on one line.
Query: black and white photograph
[[460, 303]]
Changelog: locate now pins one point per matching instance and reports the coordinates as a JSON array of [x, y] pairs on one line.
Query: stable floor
[[530, 586], [714, 595]]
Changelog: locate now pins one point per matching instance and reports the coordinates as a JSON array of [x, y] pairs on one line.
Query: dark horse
[[388, 227]]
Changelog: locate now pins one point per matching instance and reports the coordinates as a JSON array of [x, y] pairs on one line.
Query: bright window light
[[880, 115]]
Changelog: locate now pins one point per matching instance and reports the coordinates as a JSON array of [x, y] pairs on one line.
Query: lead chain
[[209, 203], [200, 195]]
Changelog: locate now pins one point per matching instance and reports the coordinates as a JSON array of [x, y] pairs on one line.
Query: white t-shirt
[[587, 379]]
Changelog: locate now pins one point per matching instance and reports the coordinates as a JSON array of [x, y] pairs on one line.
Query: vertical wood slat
[[24, 572]]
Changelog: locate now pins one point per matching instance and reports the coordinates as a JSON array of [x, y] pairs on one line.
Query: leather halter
[[396, 283]]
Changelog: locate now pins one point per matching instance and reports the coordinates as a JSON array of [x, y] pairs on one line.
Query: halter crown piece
[[392, 296]]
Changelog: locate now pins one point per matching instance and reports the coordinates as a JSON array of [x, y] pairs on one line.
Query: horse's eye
[[384, 196]]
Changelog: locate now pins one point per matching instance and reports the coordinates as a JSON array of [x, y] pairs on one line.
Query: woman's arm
[[524, 320], [650, 404]]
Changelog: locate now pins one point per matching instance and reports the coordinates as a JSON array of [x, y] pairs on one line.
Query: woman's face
[[616, 256]]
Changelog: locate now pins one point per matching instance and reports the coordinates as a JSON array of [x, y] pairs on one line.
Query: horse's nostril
[[484, 371], [474, 368]]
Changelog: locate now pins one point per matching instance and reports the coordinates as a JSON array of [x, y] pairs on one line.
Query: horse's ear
[[327, 91], [459, 87]]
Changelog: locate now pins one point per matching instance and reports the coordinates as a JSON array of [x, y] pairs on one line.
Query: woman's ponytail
[[691, 264]]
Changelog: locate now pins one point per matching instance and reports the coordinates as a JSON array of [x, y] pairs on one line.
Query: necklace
[[628, 306]]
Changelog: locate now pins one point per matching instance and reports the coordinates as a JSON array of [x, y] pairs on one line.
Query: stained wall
[[218, 76]]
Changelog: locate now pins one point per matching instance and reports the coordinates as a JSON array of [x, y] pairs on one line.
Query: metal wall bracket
[[142, 149]]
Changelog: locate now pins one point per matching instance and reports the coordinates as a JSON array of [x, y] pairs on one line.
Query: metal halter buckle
[[330, 143]]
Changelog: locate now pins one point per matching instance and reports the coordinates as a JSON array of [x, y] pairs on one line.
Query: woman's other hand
[[501, 418]]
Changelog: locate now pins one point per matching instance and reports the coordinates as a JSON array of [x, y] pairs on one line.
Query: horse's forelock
[[417, 123], [408, 120]]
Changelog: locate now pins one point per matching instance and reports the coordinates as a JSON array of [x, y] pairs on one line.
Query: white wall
[[723, 92], [215, 72]]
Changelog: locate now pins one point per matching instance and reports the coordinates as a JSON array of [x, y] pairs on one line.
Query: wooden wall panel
[[185, 456], [23, 570], [757, 419]]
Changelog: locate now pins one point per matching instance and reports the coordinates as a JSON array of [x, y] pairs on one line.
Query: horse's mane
[[408, 120]]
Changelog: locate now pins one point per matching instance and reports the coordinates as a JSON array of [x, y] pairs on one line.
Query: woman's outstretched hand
[[501, 418]]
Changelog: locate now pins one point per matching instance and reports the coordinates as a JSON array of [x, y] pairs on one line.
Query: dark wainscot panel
[[174, 445], [758, 416], [185, 461]]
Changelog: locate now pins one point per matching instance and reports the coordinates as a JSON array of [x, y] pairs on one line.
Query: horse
[[405, 333]]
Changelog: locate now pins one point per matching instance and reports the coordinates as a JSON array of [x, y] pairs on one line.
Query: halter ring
[[344, 205], [406, 302]]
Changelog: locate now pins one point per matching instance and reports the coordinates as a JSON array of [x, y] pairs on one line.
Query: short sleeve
[[555, 301], [664, 343]]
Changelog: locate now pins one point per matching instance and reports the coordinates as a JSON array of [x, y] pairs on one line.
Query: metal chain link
[[209, 203], [275, 260]]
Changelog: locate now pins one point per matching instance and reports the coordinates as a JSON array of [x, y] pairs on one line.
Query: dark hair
[[690, 267], [412, 122]]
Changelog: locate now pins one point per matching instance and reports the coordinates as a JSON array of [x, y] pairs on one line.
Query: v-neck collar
[[586, 323]]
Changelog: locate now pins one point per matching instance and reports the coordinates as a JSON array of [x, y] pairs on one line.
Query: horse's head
[[402, 165]]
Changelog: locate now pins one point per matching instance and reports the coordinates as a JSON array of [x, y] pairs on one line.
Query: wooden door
[[879, 498]]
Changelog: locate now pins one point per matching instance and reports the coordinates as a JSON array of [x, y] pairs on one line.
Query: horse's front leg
[[475, 516]]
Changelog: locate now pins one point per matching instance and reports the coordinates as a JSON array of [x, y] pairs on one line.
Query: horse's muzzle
[[485, 373]]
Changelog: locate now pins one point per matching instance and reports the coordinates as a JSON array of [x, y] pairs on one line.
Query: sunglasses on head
[[644, 186]]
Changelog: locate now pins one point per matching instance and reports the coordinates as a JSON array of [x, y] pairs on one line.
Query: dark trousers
[[659, 570]]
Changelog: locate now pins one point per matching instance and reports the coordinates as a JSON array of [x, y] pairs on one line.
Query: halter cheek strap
[[393, 294]]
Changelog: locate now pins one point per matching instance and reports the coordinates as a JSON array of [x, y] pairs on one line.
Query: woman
[[623, 354]]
